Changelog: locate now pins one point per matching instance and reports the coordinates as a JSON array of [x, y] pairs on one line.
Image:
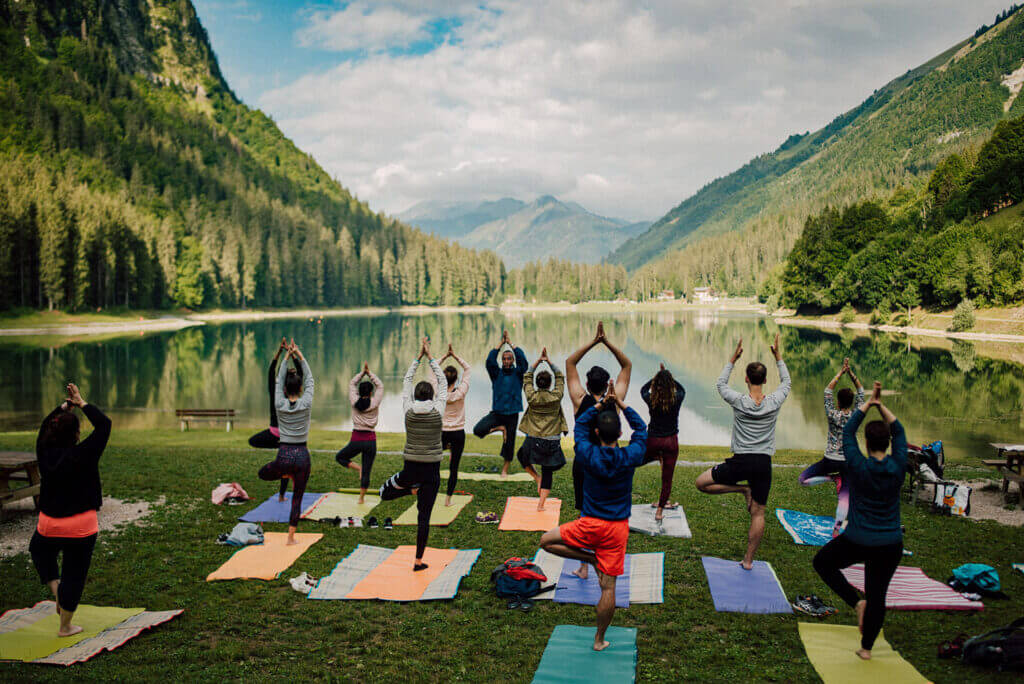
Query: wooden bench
[[187, 416], [1010, 465], [20, 467]]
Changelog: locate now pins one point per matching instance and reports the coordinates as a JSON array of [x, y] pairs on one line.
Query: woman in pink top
[[453, 435], [365, 396]]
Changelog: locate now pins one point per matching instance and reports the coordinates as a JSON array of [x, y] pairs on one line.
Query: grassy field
[[264, 630]]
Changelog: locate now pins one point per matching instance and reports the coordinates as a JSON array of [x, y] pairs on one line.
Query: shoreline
[[910, 331], [165, 324]]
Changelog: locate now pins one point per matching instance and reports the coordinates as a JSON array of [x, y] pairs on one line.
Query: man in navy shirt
[[599, 536], [506, 397]]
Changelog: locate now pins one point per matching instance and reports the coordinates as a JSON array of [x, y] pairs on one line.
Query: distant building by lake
[[704, 295]]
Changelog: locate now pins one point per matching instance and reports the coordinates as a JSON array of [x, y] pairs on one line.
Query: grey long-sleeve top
[[753, 426], [293, 417]]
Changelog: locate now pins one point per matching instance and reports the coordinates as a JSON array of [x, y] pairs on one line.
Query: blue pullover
[[507, 383], [874, 487], [608, 471]]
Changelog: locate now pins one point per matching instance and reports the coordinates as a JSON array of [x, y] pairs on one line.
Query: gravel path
[[19, 521]]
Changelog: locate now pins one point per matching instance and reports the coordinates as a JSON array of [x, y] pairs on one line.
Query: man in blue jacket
[[506, 397], [599, 536]]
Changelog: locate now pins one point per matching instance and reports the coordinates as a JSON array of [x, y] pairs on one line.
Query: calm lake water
[[960, 397]]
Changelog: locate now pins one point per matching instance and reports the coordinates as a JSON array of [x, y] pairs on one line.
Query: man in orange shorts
[[599, 536]]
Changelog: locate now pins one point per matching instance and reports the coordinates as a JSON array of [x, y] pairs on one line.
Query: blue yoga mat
[[806, 529], [571, 589], [735, 590], [570, 657], [273, 510]]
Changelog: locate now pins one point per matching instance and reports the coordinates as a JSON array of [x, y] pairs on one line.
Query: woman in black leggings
[[873, 535], [294, 403], [69, 498], [421, 471], [271, 437]]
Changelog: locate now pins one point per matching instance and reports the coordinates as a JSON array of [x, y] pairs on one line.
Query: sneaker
[[371, 522], [303, 583], [388, 525], [803, 605], [487, 518], [513, 603], [824, 610]]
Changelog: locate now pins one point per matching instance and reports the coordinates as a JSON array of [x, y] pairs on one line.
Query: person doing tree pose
[[69, 497], [270, 438], [421, 471], [599, 536], [543, 424], [874, 535], [664, 397], [830, 467], [506, 397], [365, 396], [753, 442], [294, 403], [583, 397], [453, 436]]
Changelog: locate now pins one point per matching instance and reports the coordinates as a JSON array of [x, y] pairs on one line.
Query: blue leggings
[[824, 471]]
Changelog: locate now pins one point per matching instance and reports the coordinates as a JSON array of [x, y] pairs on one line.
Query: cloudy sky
[[625, 107]]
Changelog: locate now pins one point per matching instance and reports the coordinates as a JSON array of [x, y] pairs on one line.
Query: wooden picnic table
[[18, 467], [1009, 461]]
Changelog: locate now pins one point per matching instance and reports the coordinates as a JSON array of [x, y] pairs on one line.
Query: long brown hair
[[663, 391]]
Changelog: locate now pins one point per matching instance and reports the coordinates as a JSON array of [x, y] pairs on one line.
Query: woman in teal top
[[874, 534]]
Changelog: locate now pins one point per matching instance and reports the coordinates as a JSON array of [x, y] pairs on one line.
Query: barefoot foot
[[864, 654], [747, 566], [448, 501], [601, 645], [70, 630], [582, 572]]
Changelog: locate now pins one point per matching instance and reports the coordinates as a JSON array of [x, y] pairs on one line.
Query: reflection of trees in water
[[942, 395]]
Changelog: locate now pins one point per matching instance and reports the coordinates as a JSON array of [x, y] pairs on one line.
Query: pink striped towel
[[911, 589]]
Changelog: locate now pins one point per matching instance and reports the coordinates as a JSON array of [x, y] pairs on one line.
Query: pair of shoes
[[813, 606], [303, 583], [388, 525], [350, 522], [479, 469], [523, 604], [371, 522], [487, 518]]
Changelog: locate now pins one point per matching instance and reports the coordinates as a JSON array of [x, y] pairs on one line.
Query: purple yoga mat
[[735, 590], [571, 589], [273, 510]]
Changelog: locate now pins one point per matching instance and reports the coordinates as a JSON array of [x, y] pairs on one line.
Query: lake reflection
[[958, 396]]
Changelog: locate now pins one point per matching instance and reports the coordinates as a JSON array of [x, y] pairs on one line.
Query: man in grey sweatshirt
[[753, 442]]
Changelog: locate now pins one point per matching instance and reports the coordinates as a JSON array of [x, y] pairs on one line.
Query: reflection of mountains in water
[[957, 396]]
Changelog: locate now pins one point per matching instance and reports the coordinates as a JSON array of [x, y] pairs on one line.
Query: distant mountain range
[[522, 232]]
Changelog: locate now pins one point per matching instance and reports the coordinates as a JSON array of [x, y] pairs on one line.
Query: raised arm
[[492, 363], [899, 437], [521, 363], [441, 388], [95, 443], [529, 389], [407, 385], [463, 386], [645, 392], [559, 389], [353, 388], [851, 450], [306, 400], [637, 448], [625, 368], [581, 433], [282, 369], [785, 383], [378, 390], [61, 407], [730, 395], [572, 375]]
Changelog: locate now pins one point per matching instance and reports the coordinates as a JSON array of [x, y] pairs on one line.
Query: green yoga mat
[[342, 504], [441, 515], [832, 651], [40, 639], [472, 475], [570, 656]]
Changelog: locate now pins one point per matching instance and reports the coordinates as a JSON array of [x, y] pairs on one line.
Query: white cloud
[[625, 108]]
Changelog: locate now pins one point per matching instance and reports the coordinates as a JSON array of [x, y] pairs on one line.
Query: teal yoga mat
[[570, 657]]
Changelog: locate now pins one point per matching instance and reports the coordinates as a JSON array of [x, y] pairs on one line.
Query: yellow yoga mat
[[472, 475], [264, 561], [40, 639], [441, 515], [342, 504], [831, 650]]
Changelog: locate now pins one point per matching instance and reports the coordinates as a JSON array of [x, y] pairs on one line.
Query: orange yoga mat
[[521, 514], [394, 579], [267, 560]]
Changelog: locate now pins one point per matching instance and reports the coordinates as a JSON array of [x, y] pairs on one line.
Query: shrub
[[847, 314], [882, 313], [963, 316]]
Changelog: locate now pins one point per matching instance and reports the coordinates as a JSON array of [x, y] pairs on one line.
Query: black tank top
[[586, 402]]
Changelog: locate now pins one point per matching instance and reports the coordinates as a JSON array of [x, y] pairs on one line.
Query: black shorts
[[755, 469]]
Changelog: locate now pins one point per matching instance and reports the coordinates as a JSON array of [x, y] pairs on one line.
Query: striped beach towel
[[911, 589]]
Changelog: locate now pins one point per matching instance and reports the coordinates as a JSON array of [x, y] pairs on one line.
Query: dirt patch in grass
[[988, 502], [19, 521]]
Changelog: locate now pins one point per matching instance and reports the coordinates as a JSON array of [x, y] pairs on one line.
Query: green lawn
[[264, 630]]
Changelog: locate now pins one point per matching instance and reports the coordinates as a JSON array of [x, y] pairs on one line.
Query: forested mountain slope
[[735, 230], [130, 175]]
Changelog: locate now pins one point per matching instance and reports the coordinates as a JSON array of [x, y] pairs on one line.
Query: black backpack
[[518, 578], [1001, 648]]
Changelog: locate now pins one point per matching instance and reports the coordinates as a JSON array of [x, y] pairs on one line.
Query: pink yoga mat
[[911, 589]]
